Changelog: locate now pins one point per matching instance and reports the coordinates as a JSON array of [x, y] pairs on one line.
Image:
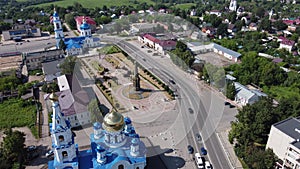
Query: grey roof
[[296, 144], [243, 91], [228, 51], [259, 93], [51, 67], [229, 77], [290, 127]]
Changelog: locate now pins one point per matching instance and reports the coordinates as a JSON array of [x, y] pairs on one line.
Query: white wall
[[279, 142]]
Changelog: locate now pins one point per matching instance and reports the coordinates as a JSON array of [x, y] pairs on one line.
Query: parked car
[[191, 110], [49, 153], [199, 160], [203, 151], [198, 137], [226, 103], [207, 165], [31, 148], [190, 149]]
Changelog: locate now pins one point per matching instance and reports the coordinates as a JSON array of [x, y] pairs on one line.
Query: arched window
[[121, 166], [137, 167], [65, 154], [61, 138]]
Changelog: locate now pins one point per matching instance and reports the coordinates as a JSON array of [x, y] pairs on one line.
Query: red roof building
[[90, 21]]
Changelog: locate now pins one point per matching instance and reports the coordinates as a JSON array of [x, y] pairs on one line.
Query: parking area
[[215, 59]]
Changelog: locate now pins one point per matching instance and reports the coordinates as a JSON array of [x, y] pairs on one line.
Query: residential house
[[231, 28], [284, 141], [215, 12], [286, 43], [51, 69], [245, 96], [34, 60], [193, 12], [253, 26]]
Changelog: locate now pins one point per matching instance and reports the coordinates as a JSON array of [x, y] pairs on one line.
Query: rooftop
[[290, 127], [225, 50]]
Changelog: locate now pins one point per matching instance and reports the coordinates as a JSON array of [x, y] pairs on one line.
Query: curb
[[226, 153]]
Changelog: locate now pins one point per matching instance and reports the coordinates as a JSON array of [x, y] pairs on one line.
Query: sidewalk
[[229, 149]]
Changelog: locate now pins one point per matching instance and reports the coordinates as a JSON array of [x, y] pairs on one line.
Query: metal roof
[[225, 50]]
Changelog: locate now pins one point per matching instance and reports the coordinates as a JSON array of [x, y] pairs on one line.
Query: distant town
[[149, 84]]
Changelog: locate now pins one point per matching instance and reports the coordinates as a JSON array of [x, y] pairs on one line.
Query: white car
[[199, 160], [49, 153], [207, 165]]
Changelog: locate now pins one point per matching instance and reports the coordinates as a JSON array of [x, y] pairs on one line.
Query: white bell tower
[[59, 34], [63, 144]]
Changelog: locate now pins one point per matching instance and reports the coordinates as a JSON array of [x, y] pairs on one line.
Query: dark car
[[198, 137], [190, 149], [203, 151], [226, 103], [31, 148], [191, 110]]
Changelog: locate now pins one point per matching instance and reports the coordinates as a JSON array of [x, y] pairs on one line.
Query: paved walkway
[[229, 149]]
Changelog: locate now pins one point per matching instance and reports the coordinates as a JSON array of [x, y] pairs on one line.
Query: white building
[[284, 140], [245, 95], [233, 5]]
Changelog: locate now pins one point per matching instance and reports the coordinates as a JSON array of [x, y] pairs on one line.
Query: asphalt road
[[208, 108]]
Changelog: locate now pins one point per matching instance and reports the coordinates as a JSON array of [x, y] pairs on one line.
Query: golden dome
[[113, 121], [53, 97]]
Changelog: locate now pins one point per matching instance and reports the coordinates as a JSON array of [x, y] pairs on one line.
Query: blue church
[[74, 45], [114, 144]]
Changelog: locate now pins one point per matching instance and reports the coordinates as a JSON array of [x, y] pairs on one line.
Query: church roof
[[84, 26], [74, 42]]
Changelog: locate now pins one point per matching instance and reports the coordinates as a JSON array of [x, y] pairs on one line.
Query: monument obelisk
[[136, 78]]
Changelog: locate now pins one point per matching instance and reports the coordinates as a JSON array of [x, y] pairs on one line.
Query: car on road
[[49, 153], [191, 110], [203, 151], [31, 148], [190, 149], [199, 160], [226, 103], [207, 165], [198, 137], [172, 81]]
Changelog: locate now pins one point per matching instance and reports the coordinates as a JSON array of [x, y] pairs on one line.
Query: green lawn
[[282, 92], [17, 113], [93, 3], [185, 5]]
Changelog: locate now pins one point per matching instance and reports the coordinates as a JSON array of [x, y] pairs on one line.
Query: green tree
[[222, 29], [67, 67], [230, 91], [265, 24], [69, 18], [279, 25], [13, 145], [94, 109], [62, 45]]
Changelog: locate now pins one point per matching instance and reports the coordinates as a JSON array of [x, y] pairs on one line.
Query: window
[[75, 117], [121, 166], [137, 167], [64, 154], [61, 138], [81, 116]]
